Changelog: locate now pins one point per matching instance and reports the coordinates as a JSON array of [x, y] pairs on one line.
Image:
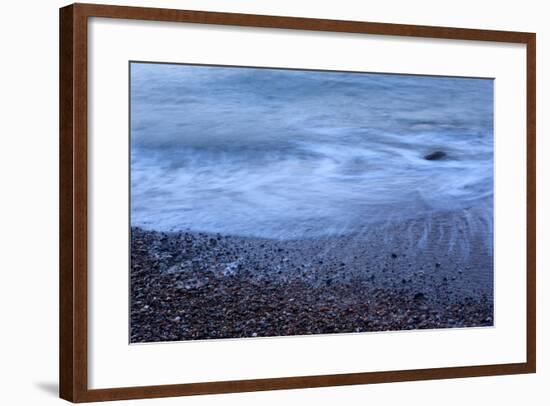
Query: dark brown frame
[[73, 362]]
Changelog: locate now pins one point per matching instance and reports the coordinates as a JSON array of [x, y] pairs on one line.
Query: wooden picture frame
[[74, 202]]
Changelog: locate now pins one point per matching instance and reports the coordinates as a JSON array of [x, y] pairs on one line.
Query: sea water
[[281, 153]]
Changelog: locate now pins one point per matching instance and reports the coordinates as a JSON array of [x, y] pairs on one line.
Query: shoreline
[[191, 285]]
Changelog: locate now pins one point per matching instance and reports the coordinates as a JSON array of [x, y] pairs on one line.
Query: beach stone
[[434, 156], [419, 296]]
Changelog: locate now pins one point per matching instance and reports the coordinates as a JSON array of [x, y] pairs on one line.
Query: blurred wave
[[299, 154]]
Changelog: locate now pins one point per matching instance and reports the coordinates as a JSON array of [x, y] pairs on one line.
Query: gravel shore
[[190, 286]]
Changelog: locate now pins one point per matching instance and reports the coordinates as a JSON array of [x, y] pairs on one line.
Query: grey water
[[300, 154]]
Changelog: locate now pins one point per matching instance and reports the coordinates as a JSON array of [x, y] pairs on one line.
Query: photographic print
[[282, 202]]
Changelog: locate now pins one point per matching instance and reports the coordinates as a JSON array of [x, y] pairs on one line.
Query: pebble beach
[[196, 286], [279, 202]]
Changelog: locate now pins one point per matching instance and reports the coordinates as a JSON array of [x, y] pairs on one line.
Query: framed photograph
[[256, 202]]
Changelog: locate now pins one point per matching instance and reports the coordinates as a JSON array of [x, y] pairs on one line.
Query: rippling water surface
[[293, 154]]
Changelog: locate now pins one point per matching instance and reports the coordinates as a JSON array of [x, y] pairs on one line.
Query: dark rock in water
[[394, 255], [419, 297], [434, 156]]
